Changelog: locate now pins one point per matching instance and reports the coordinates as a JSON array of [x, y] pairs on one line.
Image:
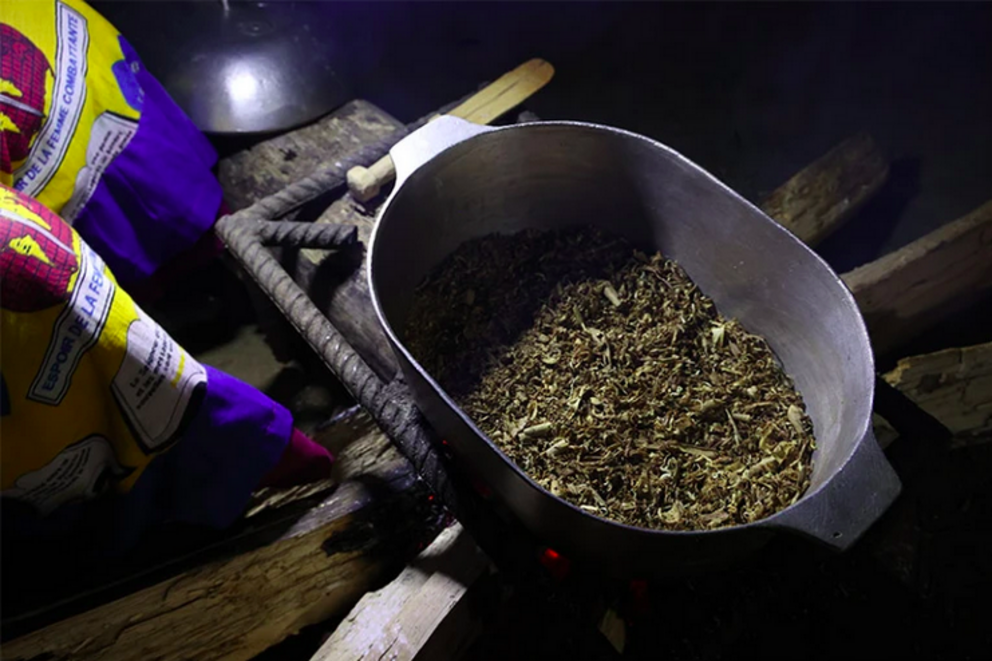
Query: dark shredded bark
[[610, 378]]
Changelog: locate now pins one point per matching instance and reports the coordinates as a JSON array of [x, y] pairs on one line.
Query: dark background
[[751, 91]]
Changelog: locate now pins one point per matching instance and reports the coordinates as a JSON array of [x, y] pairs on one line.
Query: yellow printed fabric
[[69, 102], [92, 388]]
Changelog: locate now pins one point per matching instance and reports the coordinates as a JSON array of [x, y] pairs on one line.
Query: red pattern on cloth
[[25, 68], [35, 264]]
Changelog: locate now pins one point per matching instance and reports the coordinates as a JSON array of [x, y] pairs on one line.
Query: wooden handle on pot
[[490, 103]]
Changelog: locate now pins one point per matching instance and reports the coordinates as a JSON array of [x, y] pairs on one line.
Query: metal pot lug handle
[[428, 141], [849, 503]]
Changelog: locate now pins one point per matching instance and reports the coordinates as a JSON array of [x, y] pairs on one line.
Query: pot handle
[[848, 503], [428, 141]]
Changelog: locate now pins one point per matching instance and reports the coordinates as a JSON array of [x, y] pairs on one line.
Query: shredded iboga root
[[610, 379]]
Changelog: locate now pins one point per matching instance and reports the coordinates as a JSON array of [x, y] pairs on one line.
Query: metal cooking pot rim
[[463, 140]]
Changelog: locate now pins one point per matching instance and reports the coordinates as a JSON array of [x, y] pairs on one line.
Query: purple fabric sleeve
[[237, 436], [158, 196]]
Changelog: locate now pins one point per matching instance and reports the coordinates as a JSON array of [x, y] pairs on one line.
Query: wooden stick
[[506, 93], [493, 101], [909, 290], [824, 195]]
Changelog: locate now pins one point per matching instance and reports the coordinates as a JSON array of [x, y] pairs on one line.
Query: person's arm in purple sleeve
[[100, 404], [90, 133]]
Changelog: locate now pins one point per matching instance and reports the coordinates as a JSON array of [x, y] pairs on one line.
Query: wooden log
[[422, 613], [270, 166], [902, 293], [310, 566], [954, 386], [824, 195], [909, 290]]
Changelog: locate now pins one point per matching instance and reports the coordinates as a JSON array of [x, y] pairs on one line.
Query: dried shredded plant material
[[611, 380]]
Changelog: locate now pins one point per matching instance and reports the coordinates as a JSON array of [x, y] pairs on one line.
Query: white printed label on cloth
[[155, 383]]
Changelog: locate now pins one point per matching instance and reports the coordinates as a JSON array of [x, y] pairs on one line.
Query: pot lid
[[237, 67]]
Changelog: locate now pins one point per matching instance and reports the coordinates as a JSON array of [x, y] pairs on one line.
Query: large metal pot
[[457, 181]]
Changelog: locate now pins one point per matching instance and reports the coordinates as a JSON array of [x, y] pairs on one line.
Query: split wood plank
[[824, 195], [907, 291], [420, 614], [954, 386]]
